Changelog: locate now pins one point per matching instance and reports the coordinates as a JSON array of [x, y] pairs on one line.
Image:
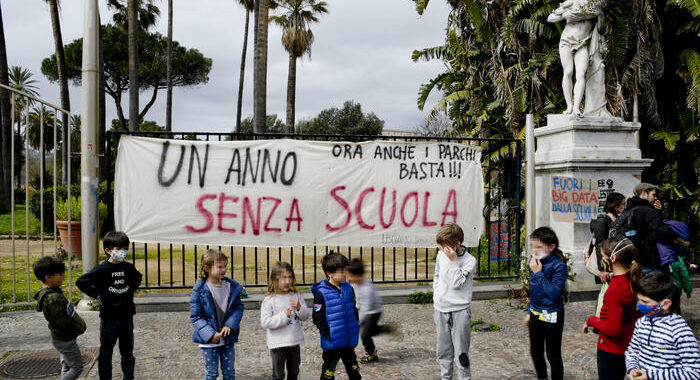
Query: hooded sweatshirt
[[64, 322]]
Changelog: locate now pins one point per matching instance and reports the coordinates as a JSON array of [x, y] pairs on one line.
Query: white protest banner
[[289, 192]]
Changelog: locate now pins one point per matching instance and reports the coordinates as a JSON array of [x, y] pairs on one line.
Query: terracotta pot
[[75, 238], [75, 246]]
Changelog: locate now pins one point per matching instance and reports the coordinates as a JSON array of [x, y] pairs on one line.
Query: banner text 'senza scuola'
[[290, 192]]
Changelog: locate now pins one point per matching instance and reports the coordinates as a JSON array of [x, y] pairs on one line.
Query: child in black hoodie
[[114, 282]]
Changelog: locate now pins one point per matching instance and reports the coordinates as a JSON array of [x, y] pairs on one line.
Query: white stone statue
[[581, 50]]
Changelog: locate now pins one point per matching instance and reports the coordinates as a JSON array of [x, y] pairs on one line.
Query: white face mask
[[541, 255]]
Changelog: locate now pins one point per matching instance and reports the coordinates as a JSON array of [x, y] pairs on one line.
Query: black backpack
[[623, 226]]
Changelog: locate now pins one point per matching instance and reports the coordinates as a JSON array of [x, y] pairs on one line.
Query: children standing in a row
[[545, 318], [216, 310], [280, 313]]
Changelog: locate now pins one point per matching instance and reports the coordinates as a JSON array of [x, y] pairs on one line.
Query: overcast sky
[[362, 52]]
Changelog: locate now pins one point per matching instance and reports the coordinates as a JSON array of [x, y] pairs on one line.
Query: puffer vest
[[340, 316]]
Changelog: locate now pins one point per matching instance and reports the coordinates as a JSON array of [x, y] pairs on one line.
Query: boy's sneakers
[[369, 358]]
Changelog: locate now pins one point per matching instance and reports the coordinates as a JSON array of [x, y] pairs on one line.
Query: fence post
[[530, 206]]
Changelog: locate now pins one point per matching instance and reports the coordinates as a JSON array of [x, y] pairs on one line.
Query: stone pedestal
[[597, 148]]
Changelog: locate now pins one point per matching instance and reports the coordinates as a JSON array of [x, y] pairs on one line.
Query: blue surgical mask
[[119, 254], [650, 310]]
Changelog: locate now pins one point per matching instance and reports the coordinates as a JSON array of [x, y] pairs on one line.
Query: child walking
[[452, 296], [545, 318], [281, 313], [215, 311], [336, 317], [64, 323], [114, 282], [619, 310], [663, 345], [370, 310]]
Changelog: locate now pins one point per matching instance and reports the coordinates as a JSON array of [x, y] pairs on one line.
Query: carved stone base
[[598, 148]]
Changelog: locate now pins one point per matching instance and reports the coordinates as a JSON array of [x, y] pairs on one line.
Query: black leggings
[[545, 334], [611, 366]]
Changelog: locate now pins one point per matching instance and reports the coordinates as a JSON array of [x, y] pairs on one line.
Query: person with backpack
[[642, 223]]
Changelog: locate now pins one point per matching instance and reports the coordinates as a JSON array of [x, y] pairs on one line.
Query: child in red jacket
[[619, 313]]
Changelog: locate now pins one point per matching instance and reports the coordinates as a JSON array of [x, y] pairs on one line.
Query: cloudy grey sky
[[361, 52]]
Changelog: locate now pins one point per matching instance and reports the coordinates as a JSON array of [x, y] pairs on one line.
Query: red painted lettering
[[414, 195], [207, 215], [342, 203], [248, 211], [272, 212], [426, 223], [291, 218], [452, 196], [381, 208], [223, 198], [358, 209]]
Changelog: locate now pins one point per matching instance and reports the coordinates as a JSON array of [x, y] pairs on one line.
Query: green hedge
[[61, 192]]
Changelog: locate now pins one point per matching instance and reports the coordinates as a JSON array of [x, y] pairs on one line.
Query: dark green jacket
[[64, 322]]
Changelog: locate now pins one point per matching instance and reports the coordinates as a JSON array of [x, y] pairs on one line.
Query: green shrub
[[61, 192], [421, 297], [494, 327], [20, 196], [62, 209]]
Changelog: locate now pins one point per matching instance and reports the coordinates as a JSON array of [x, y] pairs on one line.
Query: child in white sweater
[[281, 312]]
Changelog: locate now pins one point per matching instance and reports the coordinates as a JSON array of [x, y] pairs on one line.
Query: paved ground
[[164, 349]]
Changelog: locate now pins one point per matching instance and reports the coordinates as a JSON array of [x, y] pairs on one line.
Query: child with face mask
[[618, 311], [663, 345], [545, 318], [114, 282]]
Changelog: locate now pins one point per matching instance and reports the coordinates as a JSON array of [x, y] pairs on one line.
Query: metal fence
[[20, 103], [169, 266]]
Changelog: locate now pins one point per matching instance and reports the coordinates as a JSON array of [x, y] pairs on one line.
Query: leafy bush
[[61, 192], [62, 209], [421, 298], [20, 196]]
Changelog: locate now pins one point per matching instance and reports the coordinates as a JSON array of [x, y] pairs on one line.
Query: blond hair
[[450, 234], [209, 259], [277, 270]]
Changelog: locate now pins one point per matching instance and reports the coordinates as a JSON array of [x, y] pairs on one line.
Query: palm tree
[[295, 17], [62, 75], [147, 11], [169, 98], [5, 127], [133, 67], [38, 116], [249, 5], [260, 66], [21, 79]]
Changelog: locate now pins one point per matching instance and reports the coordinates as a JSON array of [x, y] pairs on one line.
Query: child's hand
[[288, 312], [535, 265], [215, 338], [450, 253], [585, 327], [295, 303], [638, 374], [527, 321], [225, 331]]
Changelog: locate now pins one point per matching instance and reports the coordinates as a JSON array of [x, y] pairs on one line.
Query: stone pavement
[[164, 349]]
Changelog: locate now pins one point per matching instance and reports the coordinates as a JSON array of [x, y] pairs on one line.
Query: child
[[64, 323], [336, 317], [675, 253], [545, 318], [370, 309], [452, 296], [114, 282], [663, 346], [215, 311], [281, 311], [619, 308]]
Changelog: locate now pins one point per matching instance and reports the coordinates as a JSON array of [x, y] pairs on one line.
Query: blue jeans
[[212, 355]]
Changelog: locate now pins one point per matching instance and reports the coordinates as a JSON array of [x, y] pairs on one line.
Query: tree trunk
[[5, 127], [260, 69], [62, 81], [291, 92], [242, 75], [133, 66], [169, 99]]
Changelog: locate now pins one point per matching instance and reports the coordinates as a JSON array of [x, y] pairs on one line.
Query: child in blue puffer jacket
[[215, 311], [336, 317], [545, 318]]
